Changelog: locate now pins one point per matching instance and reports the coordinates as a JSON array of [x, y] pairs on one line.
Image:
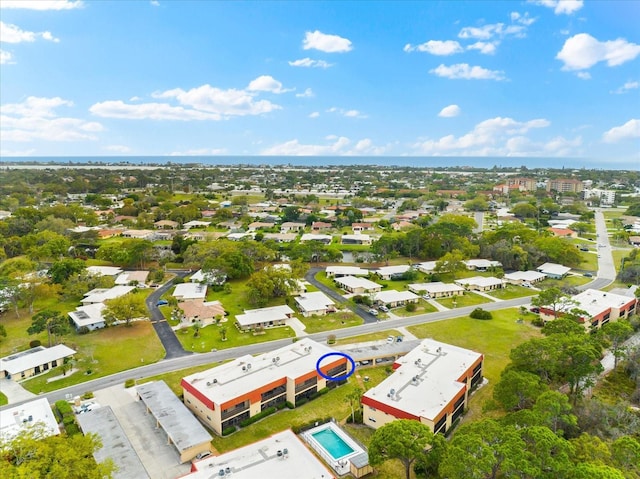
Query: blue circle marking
[[336, 378]]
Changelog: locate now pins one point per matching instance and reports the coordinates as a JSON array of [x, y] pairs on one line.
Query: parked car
[[203, 454], [162, 302], [384, 309], [373, 312], [391, 339], [526, 285], [588, 275], [426, 296], [534, 310]]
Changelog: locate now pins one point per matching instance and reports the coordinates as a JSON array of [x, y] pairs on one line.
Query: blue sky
[[541, 78]]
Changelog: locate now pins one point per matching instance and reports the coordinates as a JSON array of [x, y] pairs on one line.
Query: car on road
[[588, 275], [373, 312], [162, 302]]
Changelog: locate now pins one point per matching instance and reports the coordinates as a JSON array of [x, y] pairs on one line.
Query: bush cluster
[[480, 313], [298, 428], [257, 417], [228, 430], [129, 383]]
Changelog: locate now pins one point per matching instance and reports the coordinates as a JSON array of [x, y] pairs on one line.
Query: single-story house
[[481, 264], [206, 312], [356, 239], [139, 234], [393, 298], [258, 225], [338, 271], [210, 277], [135, 278], [359, 227], [289, 226], [281, 237], [16, 419], [264, 317], [392, 272], [316, 303], [480, 283], [104, 270], [166, 225], [522, 277], [634, 240], [317, 226], [553, 270], [238, 236], [426, 267], [33, 361], [326, 239], [190, 291], [563, 232], [100, 295], [437, 289], [356, 285], [89, 316], [196, 224]]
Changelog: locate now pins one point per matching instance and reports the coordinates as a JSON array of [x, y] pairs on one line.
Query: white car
[[391, 339], [373, 312]]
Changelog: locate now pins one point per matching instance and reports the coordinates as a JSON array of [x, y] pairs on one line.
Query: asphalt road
[[167, 336]]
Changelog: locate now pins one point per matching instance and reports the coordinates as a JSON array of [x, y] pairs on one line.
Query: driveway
[[167, 336], [14, 391]]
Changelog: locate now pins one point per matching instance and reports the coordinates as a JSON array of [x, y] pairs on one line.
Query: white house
[[392, 272], [33, 361], [137, 278], [104, 270], [426, 267], [190, 291], [481, 264], [264, 317], [437, 289], [553, 270], [393, 298], [16, 419], [480, 283], [356, 285], [88, 316], [326, 239], [338, 271], [524, 277], [100, 295], [315, 303]]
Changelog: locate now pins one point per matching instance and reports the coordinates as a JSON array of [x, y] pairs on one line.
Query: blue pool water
[[332, 443]]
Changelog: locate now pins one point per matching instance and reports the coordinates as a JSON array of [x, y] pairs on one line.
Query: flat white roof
[[191, 290], [435, 287], [347, 270], [315, 237], [482, 263], [228, 381], [594, 301], [357, 236], [314, 301], [197, 276], [480, 281], [16, 419], [16, 363], [553, 268], [426, 380], [525, 276], [261, 460], [104, 270], [255, 316], [392, 296], [426, 266], [87, 315], [398, 269], [101, 295], [128, 276], [354, 282]]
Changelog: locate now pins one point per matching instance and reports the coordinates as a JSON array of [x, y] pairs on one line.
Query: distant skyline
[[539, 78]]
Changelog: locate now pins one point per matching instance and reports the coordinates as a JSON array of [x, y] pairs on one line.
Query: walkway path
[[437, 305], [488, 296], [407, 335], [297, 326]]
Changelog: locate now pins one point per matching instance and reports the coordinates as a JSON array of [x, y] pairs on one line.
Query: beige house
[[357, 285], [480, 283], [206, 312], [33, 361], [437, 289]]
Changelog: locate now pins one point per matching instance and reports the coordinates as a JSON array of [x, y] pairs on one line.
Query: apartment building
[[565, 185], [226, 395]]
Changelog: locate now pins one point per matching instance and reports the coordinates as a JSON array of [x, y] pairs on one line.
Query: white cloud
[[493, 136], [36, 119], [566, 7], [326, 43], [347, 113], [630, 129], [14, 34], [492, 30], [149, 111], [42, 4], [5, 57], [582, 51], [628, 86], [339, 145], [522, 19], [200, 152], [449, 111], [486, 48], [309, 63], [307, 93], [118, 148], [314, 114], [266, 83], [28, 152], [436, 47], [584, 75], [155, 3], [466, 72]]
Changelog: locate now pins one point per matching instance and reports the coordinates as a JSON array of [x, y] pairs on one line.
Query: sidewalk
[[437, 305], [488, 296], [297, 326]]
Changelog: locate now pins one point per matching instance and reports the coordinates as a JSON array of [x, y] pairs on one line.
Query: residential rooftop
[[16, 419]]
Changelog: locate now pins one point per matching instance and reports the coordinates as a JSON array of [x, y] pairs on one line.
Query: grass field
[[567, 282], [422, 307], [338, 320], [368, 337], [511, 291], [494, 339], [104, 352], [467, 299], [3, 400], [210, 337]]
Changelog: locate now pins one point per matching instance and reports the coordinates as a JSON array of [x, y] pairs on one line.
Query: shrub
[[480, 313], [88, 395], [539, 322], [228, 430], [35, 343], [317, 394], [129, 383], [66, 420], [64, 408], [331, 339], [289, 405], [411, 307], [83, 330], [178, 280], [72, 429], [257, 417]]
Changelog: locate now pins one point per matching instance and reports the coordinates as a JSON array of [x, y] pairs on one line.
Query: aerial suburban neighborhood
[[195, 321]]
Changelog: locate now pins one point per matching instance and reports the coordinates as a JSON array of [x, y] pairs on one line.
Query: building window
[[372, 420]]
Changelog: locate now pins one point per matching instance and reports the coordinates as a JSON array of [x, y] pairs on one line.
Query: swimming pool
[[332, 443]]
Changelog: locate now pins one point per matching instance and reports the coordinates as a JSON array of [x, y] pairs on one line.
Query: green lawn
[[511, 291], [338, 320], [104, 352], [369, 337], [494, 339], [567, 282], [210, 337], [3, 400], [590, 261], [467, 299], [422, 308]]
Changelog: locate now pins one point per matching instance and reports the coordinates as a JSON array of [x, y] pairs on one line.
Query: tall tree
[[518, 390], [554, 299], [615, 334], [50, 321], [403, 439], [125, 308]]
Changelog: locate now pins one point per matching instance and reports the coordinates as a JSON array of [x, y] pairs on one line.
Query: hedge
[[64, 408], [228, 430], [257, 417]]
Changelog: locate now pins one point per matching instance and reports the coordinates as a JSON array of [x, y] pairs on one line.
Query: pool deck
[[341, 465]]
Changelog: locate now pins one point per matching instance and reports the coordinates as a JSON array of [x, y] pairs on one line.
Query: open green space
[[103, 352], [467, 299], [377, 336], [494, 338], [211, 337], [511, 291], [422, 307], [589, 261], [337, 320], [569, 281]]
